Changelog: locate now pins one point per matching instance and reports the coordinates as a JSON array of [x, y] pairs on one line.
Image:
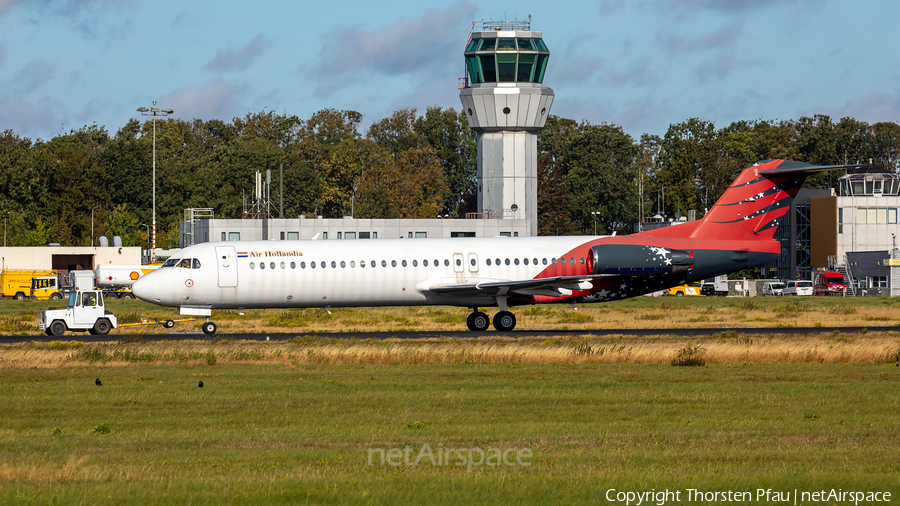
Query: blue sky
[[642, 64]]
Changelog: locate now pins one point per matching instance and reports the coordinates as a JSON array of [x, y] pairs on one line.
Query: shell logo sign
[[134, 275]]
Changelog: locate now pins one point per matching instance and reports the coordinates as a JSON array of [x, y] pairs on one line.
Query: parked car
[[829, 283], [685, 289], [773, 288], [798, 287]]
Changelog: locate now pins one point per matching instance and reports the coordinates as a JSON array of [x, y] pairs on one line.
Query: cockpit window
[[172, 262], [186, 263], [196, 264]]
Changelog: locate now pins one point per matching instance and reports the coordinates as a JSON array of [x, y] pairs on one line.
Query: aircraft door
[[226, 260], [458, 262]]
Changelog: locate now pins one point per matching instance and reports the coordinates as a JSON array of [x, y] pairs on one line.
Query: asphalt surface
[[283, 336]]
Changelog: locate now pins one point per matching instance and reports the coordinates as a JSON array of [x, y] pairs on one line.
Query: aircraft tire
[[504, 321], [209, 328], [57, 328], [101, 327], [478, 322]]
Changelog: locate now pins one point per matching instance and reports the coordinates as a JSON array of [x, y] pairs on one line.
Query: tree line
[[591, 176]]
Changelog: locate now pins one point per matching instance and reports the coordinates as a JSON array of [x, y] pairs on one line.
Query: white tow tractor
[[85, 312]]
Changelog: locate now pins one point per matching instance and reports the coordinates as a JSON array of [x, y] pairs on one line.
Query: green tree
[[448, 134]]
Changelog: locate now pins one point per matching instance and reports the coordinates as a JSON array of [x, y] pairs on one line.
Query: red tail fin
[[755, 203]]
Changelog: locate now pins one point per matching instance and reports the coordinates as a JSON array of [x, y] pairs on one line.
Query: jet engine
[[637, 260]]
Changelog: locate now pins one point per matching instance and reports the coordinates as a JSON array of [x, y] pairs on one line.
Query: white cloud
[[239, 59], [429, 44], [218, 100]]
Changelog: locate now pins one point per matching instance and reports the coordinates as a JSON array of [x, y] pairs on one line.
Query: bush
[[690, 356]]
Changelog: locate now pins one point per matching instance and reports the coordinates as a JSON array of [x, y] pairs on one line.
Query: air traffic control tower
[[507, 106]]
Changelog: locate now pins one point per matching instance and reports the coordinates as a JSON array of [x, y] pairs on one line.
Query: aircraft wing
[[559, 286]]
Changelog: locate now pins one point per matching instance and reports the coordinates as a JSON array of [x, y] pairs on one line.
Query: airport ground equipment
[[156, 321], [16, 283], [85, 312]]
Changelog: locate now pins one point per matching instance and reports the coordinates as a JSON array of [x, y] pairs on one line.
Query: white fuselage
[[381, 272]]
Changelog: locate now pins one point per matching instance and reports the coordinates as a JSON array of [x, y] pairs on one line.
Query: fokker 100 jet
[[736, 233]]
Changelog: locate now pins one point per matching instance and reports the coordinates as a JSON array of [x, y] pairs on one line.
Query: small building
[[67, 258], [267, 229]]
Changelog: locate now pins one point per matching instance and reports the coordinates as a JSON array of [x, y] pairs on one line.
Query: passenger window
[[535, 261], [303, 265], [384, 263], [322, 265], [526, 261], [497, 261], [458, 262], [572, 260], [436, 263], [415, 263], [403, 263], [252, 266], [372, 263], [312, 265], [262, 265], [516, 261], [544, 261], [425, 263], [393, 263], [562, 261], [362, 263], [352, 264], [343, 264], [446, 262], [272, 265], [488, 261], [293, 265], [507, 261], [282, 265], [333, 264], [553, 261]]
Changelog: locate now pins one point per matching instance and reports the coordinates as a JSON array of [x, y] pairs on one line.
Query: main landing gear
[[477, 321]]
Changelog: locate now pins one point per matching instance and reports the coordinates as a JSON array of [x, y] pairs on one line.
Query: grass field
[[292, 434], [21, 317], [551, 420]]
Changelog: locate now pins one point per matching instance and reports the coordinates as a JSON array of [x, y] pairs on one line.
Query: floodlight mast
[[154, 111]]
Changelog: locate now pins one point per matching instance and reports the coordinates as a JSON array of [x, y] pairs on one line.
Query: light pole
[[148, 230], [594, 216], [92, 224], [154, 111]]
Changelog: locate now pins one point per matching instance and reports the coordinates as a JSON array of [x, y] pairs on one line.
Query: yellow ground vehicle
[[686, 289], [45, 288], [16, 283]]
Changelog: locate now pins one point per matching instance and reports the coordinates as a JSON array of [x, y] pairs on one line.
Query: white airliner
[[483, 272]]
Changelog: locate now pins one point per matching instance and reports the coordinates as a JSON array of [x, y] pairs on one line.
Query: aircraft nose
[[145, 289]]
